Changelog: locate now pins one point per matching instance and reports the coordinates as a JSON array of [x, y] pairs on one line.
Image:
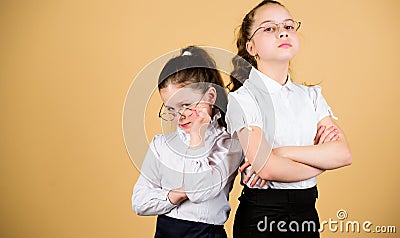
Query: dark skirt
[[277, 213], [168, 227]]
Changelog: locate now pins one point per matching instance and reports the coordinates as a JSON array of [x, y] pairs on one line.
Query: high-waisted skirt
[[277, 213]]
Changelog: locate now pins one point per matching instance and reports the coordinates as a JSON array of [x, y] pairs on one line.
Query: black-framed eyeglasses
[[184, 111], [274, 28]]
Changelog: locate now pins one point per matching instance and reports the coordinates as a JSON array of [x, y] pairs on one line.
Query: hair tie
[[187, 53]]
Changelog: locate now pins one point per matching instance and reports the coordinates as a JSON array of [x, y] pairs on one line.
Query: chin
[[285, 58], [187, 130]]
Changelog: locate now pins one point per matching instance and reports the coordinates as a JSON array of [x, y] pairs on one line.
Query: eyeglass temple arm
[[159, 112]]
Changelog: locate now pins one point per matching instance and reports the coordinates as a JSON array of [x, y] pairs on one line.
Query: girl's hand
[[177, 196], [200, 122], [325, 135], [243, 167]]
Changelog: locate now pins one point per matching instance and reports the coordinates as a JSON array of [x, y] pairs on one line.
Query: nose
[[181, 117], [282, 32]]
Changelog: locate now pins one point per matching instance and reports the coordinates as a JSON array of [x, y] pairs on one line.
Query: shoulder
[[241, 92], [243, 96], [223, 139], [241, 103], [315, 93], [312, 91], [156, 144], [160, 141], [305, 88], [157, 140]]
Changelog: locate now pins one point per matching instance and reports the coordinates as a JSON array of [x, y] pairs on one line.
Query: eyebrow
[[266, 21], [179, 103], [166, 106]]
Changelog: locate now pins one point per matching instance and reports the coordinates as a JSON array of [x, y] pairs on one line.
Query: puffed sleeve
[[242, 111], [321, 107], [149, 198], [207, 176]]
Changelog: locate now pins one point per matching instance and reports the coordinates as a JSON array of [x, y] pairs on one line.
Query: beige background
[[65, 69]]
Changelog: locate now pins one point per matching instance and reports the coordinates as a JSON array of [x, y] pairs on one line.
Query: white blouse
[[206, 174], [288, 115]]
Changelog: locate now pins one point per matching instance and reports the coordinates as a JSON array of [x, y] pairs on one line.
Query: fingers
[[326, 133], [263, 182], [244, 166], [200, 120], [201, 115], [255, 180], [332, 136], [318, 135], [248, 175]]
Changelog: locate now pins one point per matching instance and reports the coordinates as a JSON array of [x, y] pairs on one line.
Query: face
[[177, 98], [279, 46]]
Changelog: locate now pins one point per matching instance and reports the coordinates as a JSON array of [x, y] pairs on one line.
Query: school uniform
[[206, 175], [288, 116]]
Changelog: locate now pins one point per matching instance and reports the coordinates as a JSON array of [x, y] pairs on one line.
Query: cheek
[[178, 119], [295, 43], [264, 48]]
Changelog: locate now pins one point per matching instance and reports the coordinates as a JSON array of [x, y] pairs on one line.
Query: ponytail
[[243, 61]]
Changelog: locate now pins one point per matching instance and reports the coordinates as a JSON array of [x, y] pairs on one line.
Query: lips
[[285, 45], [184, 125]]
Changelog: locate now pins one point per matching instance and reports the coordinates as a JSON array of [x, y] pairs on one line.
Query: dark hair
[[196, 68], [243, 61]]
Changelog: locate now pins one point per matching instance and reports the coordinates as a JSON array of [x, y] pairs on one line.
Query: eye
[[269, 28], [186, 105], [289, 27], [170, 109]]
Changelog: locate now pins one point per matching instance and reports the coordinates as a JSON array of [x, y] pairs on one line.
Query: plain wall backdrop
[[65, 69]]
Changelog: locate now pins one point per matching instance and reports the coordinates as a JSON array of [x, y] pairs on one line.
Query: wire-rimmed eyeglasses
[[273, 28], [185, 111]]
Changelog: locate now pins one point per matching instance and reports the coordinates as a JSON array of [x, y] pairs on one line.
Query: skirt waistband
[[273, 196]]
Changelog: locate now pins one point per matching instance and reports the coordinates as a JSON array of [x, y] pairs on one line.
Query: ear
[[250, 48], [211, 95]]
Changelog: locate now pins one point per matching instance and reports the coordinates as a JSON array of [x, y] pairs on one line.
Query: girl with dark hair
[[187, 175], [286, 130]]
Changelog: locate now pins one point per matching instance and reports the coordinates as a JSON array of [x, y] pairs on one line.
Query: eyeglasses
[[273, 28], [185, 111]]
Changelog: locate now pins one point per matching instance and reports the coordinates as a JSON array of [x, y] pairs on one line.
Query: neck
[[277, 71]]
